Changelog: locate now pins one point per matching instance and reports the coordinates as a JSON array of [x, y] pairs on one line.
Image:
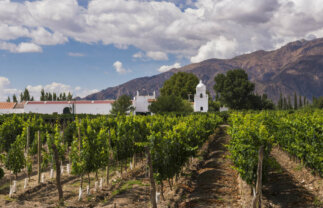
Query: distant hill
[[295, 67]]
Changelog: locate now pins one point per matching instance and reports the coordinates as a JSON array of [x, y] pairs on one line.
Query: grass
[[299, 167], [317, 203], [127, 185], [7, 198], [4, 186], [274, 165]]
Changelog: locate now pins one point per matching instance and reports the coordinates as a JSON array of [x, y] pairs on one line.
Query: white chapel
[[201, 99]]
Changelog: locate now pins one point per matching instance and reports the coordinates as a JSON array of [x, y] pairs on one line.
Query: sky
[[84, 46]]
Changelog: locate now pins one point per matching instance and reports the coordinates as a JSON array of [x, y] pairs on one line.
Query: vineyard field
[[163, 159]]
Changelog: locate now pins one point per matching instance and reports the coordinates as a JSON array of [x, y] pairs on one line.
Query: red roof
[[7, 105], [71, 102], [151, 100]]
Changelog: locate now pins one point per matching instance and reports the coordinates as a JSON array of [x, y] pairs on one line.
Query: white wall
[[224, 109], [141, 102], [198, 103], [46, 108], [9, 111], [96, 108], [80, 108], [201, 102]]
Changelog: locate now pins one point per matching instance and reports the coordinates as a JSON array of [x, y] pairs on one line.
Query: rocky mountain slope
[[295, 67]]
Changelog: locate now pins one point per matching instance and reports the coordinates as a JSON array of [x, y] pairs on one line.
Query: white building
[[141, 102], [201, 99], [80, 107], [222, 109]]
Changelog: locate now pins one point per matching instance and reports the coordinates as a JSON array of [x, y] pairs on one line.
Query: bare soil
[[291, 185], [213, 183]]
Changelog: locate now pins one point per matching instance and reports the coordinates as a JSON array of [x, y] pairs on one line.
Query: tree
[[26, 95], [8, 99], [14, 98], [64, 96], [280, 102], [289, 104], [285, 106], [171, 103], [180, 84], [318, 102], [234, 88], [69, 96], [50, 96], [54, 96], [21, 97], [213, 105], [42, 95], [295, 101], [300, 104], [121, 105]]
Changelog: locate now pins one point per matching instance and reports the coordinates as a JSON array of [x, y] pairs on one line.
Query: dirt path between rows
[[214, 182], [291, 185]]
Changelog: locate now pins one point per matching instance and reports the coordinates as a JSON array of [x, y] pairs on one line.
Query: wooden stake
[[39, 159], [108, 162], [152, 181], [256, 202], [28, 139], [58, 175]]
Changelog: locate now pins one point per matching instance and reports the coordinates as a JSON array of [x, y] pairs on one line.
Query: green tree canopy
[[236, 91], [180, 84], [234, 88], [318, 102], [14, 98], [121, 105], [171, 103]]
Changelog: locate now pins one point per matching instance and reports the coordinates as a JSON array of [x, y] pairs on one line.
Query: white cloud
[[191, 30], [157, 55], [119, 68], [166, 68], [139, 55], [75, 54], [27, 48], [8, 32], [43, 37], [60, 88], [34, 90], [5, 89], [21, 47], [80, 92], [154, 55], [220, 48]]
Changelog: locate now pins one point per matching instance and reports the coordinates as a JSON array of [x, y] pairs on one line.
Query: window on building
[[201, 95], [201, 108]]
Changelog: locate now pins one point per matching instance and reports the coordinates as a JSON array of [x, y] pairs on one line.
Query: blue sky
[[77, 64], [85, 46]]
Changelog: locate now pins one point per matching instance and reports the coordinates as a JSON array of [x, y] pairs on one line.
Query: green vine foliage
[[249, 132], [15, 160], [300, 133]]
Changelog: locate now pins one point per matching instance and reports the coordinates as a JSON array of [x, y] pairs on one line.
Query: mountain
[[295, 67]]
